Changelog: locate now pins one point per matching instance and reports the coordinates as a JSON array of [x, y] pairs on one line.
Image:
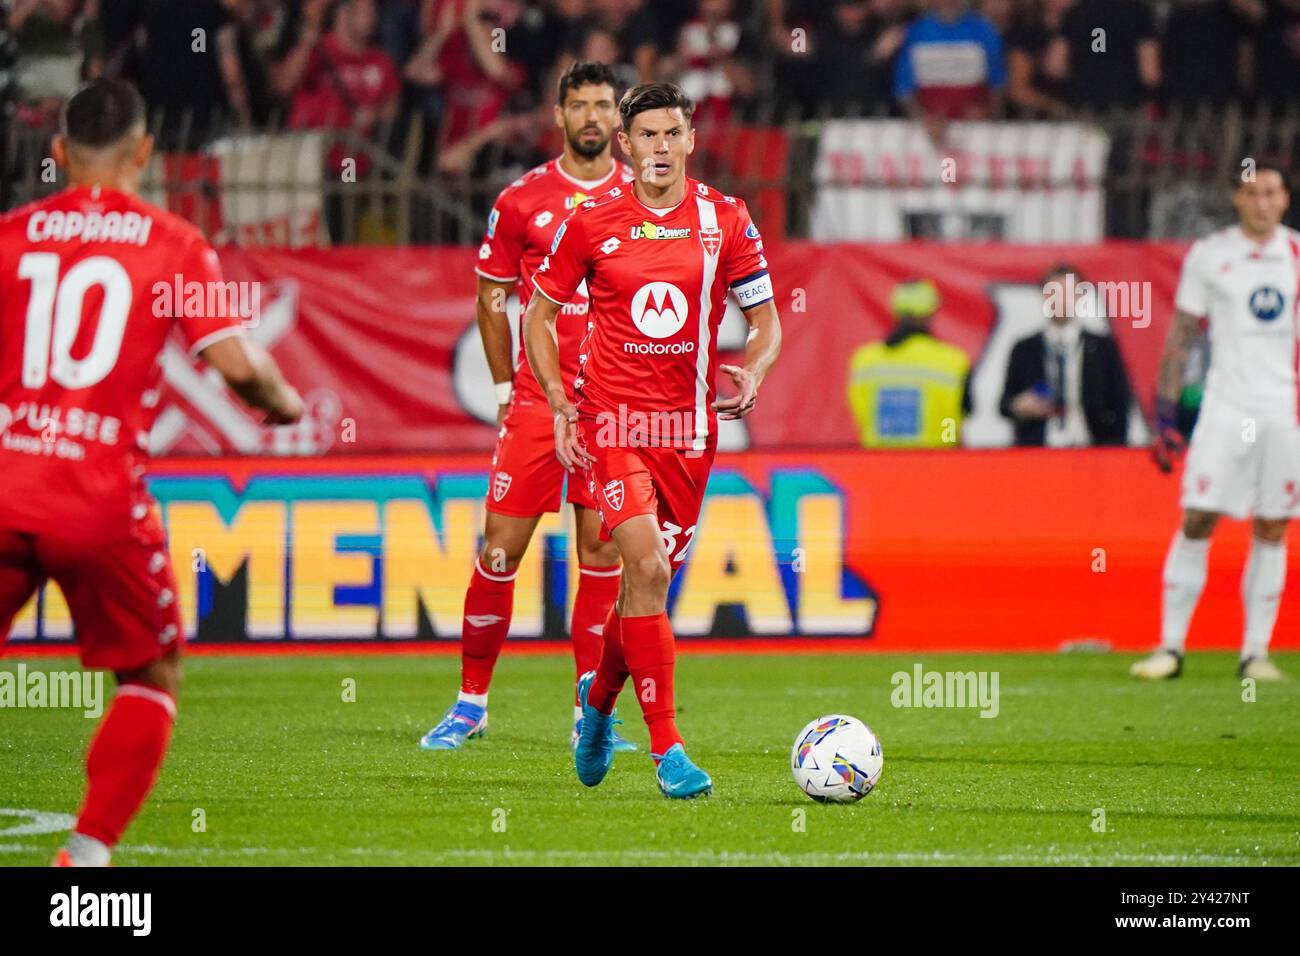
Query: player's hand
[[502, 412], [288, 410], [568, 449], [742, 403], [1029, 404], [1169, 443]]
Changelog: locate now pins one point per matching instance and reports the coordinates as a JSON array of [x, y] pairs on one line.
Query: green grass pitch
[[285, 772]]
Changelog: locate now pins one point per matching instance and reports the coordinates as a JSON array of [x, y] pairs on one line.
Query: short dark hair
[[1061, 269], [1266, 166], [101, 113], [653, 96], [586, 73]]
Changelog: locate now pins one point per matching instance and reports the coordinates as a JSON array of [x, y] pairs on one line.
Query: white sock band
[[1261, 594], [86, 850], [1184, 579]]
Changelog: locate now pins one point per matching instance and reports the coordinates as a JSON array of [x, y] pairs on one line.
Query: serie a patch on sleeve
[[753, 290]]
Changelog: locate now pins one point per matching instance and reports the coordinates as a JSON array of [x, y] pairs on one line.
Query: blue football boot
[[463, 721], [621, 744], [678, 777], [594, 750]]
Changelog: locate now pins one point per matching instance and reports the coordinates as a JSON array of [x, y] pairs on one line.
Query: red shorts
[[121, 591], [527, 479], [668, 483]]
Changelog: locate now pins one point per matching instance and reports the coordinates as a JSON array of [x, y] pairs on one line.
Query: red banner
[[1021, 549], [383, 343]]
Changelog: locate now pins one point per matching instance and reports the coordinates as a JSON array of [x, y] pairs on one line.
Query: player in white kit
[[1244, 457]]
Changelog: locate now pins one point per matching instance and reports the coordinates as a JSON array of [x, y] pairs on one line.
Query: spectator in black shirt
[[1037, 61], [1201, 50], [1277, 55], [190, 77], [793, 36], [1114, 55], [635, 30], [856, 54]]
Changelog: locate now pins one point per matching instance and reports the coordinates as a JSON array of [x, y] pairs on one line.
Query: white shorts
[[1238, 467]]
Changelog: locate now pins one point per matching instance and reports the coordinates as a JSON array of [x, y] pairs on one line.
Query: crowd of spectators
[[476, 71]]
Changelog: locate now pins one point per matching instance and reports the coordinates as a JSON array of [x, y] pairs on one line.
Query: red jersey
[[337, 82], [520, 231], [658, 281], [87, 280]]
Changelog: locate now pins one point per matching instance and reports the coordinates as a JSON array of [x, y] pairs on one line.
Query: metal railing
[[1165, 178]]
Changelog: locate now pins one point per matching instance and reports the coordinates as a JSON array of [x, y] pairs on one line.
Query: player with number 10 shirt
[[83, 328]]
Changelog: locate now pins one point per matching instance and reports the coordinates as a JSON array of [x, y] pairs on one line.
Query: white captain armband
[[753, 290]]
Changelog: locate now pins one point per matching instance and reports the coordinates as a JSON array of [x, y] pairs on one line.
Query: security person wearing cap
[[909, 391]]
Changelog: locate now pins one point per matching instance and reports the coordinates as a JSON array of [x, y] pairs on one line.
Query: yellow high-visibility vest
[[910, 395]]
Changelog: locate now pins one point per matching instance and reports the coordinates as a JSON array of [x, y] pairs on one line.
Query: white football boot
[[1162, 664], [1260, 668]]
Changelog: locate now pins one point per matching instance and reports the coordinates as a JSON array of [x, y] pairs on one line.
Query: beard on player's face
[[588, 147]]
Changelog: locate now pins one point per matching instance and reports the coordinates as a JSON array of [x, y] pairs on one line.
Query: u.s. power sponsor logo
[[651, 230]]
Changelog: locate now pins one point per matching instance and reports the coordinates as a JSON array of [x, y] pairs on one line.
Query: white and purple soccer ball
[[836, 759]]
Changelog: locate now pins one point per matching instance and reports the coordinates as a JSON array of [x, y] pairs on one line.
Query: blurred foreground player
[[526, 480], [1244, 457], [658, 259], [80, 352]]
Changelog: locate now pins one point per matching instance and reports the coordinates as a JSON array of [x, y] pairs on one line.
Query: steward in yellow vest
[[909, 391]]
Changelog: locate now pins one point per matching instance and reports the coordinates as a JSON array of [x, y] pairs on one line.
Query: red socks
[[489, 602], [124, 758], [651, 652], [611, 672], [597, 592]]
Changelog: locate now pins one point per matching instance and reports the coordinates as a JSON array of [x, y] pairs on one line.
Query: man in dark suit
[[1066, 387]]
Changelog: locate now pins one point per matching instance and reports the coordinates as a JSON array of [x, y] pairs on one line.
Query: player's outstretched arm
[[1168, 441], [761, 350], [542, 348], [253, 375], [494, 330]]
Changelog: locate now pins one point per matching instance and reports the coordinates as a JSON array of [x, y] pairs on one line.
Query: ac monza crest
[[614, 494], [500, 485], [711, 239]]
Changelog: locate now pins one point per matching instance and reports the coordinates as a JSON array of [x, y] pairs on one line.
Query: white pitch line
[[669, 856], [42, 821]]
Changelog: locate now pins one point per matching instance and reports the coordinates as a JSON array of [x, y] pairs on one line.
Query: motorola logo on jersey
[[659, 309], [1266, 302]]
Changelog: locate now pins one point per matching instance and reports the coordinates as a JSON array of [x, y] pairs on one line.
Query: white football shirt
[[1248, 291]]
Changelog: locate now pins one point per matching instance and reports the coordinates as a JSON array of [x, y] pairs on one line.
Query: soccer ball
[[836, 759]]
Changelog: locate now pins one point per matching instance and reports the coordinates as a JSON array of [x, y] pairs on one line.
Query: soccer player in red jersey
[[658, 258], [527, 480], [82, 332]]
